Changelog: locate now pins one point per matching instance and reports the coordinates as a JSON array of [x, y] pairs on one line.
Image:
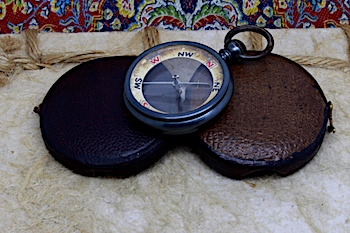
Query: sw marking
[[137, 84]]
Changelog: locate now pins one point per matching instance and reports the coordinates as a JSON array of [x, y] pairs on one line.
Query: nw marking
[[185, 54]]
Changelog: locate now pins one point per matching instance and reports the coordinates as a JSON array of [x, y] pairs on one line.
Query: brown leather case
[[275, 121], [87, 128]]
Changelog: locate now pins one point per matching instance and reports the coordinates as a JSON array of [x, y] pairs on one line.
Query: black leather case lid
[[87, 128]]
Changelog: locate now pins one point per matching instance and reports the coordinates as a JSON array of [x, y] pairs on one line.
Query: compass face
[[176, 81], [170, 90]]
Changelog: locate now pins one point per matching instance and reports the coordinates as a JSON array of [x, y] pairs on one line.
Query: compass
[[178, 86]]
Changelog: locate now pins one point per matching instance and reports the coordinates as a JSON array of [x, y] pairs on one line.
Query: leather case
[[87, 128], [275, 121]]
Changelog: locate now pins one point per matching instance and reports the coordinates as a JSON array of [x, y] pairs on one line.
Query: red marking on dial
[[210, 64], [155, 60]]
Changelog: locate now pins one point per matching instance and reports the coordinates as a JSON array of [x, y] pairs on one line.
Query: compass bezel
[[186, 121]]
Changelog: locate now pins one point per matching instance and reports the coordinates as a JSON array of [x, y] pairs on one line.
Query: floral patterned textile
[[128, 15]]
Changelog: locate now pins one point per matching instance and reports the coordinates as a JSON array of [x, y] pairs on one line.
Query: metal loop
[[252, 28]]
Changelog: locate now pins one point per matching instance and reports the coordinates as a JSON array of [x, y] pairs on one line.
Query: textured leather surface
[[87, 128], [273, 120]]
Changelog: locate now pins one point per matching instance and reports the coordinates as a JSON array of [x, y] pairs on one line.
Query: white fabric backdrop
[[179, 193]]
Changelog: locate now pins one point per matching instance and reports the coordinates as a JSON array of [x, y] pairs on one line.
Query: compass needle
[[158, 83]]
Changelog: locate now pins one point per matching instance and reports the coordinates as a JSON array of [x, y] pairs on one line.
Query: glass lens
[[177, 85]]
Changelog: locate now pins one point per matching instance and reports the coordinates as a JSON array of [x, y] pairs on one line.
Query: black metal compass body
[[178, 86]]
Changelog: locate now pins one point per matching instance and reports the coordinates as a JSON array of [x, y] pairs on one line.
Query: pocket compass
[[178, 86]]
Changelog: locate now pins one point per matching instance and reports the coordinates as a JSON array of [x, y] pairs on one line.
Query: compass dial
[[176, 81]]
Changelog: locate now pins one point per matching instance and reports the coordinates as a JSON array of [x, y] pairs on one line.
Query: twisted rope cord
[[320, 62], [257, 41], [32, 47], [34, 59], [346, 29], [150, 37]]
